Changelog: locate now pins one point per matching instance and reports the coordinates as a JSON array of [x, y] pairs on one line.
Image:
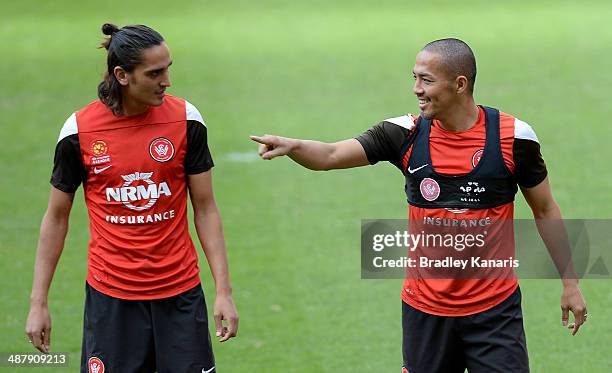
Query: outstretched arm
[[210, 232], [53, 231], [552, 230], [314, 155]]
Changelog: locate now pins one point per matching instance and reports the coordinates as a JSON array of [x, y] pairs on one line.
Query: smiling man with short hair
[[450, 324]]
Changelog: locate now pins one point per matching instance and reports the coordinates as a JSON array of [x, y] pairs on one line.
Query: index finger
[[47, 339], [258, 139], [232, 329], [578, 321], [37, 341]]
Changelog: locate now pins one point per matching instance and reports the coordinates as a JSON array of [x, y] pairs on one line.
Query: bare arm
[[210, 232], [314, 155], [552, 230], [53, 231]]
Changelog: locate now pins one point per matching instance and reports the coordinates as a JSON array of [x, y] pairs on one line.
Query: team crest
[[161, 149], [430, 189], [476, 157], [95, 365]]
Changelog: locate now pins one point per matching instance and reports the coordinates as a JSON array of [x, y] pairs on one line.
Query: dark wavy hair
[[124, 46]]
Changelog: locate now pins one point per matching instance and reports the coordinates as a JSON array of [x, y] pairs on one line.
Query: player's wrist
[[293, 144], [224, 291], [38, 301]]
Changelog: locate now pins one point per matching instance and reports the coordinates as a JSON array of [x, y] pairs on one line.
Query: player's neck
[[460, 118], [131, 108]]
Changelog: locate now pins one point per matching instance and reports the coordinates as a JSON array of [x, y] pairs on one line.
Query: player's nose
[[417, 88], [165, 82]]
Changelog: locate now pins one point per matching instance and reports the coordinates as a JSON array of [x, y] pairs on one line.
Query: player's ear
[[461, 84], [120, 75]]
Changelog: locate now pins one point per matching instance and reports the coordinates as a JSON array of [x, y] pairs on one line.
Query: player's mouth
[[423, 103], [160, 94]]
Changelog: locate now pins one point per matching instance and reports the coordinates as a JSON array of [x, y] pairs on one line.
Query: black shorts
[[490, 341], [145, 336]]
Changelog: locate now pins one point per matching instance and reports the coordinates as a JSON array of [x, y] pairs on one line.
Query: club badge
[[161, 149], [95, 365], [430, 189], [476, 157]]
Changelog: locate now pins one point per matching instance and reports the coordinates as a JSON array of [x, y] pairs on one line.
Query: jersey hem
[[453, 312], [153, 296]]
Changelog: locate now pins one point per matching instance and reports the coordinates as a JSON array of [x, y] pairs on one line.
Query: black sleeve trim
[[198, 158], [68, 170], [530, 169], [367, 147], [384, 142]]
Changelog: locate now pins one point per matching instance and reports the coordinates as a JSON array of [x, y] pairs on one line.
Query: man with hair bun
[[453, 324], [138, 153]]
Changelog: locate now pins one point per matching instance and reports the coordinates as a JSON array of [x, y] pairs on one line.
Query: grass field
[[313, 69]]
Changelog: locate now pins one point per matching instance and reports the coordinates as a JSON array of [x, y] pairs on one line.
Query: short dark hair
[[124, 46], [457, 58]]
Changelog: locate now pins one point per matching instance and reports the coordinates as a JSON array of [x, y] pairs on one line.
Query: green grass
[[315, 69]]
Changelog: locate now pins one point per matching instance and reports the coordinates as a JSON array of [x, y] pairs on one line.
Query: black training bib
[[488, 185]]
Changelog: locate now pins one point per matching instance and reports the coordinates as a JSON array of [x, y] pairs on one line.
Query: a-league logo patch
[[430, 189], [476, 157], [161, 149], [99, 148], [95, 365]]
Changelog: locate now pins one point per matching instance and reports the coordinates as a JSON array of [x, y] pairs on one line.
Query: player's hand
[[271, 146], [38, 328], [225, 310], [572, 300]]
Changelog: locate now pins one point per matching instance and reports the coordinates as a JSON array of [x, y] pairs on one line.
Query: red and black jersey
[[458, 153], [134, 173]]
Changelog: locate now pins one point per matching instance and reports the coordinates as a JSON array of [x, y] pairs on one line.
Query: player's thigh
[[430, 343], [117, 335], [495, 340], [182, 339]]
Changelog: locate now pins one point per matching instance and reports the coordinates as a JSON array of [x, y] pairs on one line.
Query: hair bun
[[109, 29]]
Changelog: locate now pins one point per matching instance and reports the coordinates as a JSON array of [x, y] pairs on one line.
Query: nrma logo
[[138, 187]]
